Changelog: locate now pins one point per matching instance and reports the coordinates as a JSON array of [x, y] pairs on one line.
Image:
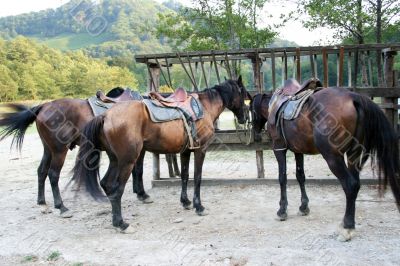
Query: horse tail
[[87, 165], [16, 122], [381, 143]]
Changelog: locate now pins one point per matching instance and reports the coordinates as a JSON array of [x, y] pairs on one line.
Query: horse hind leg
[[350, 181], [56, 165], [137, 180], [42, 172], [301, 178]]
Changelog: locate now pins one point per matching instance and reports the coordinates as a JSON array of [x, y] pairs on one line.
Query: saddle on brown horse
[[179, 105], [286, 103], [179, 99]]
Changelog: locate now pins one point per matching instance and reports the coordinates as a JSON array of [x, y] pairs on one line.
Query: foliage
[[32, 71], [216, 25], [355, 18]]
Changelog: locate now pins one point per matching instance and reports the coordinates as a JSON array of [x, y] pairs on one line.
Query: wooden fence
[[353, 66]]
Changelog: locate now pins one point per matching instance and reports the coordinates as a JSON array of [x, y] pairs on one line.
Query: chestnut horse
[[335, 122], [59, 124], [126, 131]]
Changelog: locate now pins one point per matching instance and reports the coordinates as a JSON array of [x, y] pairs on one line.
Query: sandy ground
[[240, 229]]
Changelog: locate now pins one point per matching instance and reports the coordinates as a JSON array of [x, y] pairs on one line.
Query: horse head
[[259, 114], [234, 94]]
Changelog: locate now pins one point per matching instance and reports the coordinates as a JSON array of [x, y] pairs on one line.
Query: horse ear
[[240, 82], [249, 96]]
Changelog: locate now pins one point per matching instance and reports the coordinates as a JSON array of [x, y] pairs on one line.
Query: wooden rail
[[354, 66]]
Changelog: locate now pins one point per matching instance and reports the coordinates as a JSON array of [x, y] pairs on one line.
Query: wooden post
[[273, 70], [340, 61], [390, 82], [325, 67], [349, 69], [154, 84], [258, 86], [298, 66]]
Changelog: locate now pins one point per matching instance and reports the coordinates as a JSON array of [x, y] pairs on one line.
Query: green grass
[[29, 258], [73, 41], [55, 255]]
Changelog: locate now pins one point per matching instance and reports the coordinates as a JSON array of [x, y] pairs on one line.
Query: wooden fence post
[[154, 84], [258, 85], [390, 82]]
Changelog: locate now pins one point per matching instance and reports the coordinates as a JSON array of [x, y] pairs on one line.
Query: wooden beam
[[340, 63], [298, 67]]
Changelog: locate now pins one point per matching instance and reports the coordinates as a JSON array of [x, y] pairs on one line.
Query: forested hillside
[[104, 28], [32, 71]]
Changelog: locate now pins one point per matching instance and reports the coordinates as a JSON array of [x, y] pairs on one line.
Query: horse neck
[[213, 106], [265, 106]]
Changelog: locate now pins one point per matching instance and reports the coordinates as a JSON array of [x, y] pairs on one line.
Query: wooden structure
[[355, 67]]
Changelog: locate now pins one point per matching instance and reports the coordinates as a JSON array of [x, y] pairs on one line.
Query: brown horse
[[126, 131], [59, 124], [342, 126]]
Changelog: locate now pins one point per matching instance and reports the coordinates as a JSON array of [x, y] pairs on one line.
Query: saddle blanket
[[159, 114], [99, 107], [293, 106]]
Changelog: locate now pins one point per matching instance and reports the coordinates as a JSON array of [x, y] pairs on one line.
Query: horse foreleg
[[185, 159], [301, 178], [137, 180], [199, 156], [281, 157], [42, 172], [56, 164]]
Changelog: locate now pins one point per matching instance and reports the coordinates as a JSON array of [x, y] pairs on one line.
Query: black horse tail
[[16, 122], [381, 143], [87, 165]]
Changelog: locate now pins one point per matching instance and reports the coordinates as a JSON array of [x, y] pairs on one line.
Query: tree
[[216, 25], [8, 87], [354, 18]]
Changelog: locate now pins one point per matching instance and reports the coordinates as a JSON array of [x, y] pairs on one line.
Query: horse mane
[[223, 90], [258, 100]]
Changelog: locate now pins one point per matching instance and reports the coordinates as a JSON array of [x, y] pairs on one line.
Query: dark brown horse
[[346, 129], [59, 124], [126, 131]]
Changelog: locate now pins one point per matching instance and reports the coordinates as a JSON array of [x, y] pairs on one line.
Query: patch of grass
[[55, 255], [77, 264], [73, 41], [29, 258]]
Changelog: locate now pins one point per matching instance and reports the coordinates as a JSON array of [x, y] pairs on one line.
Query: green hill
[[102, 28]]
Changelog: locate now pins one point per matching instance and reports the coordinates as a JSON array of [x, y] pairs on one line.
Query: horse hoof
[[147, 200], [304, 212], [282, 216], [186, 204], [202, 213], [45, 209], [345, 234], [128, 230], [66, 214]]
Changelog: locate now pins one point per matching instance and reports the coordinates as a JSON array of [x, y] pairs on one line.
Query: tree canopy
[[30, 71]]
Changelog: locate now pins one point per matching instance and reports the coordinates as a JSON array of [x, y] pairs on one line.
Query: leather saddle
[[180, 95], [292, 87], [180, 99], [127, 95], [291, 91]]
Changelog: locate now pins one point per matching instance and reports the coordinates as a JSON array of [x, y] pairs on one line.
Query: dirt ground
[[240, 228]]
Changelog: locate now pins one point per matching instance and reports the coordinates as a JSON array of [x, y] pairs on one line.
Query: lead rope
[[247, 129]]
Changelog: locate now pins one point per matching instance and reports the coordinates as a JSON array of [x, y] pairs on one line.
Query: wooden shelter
[[354, 66]]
